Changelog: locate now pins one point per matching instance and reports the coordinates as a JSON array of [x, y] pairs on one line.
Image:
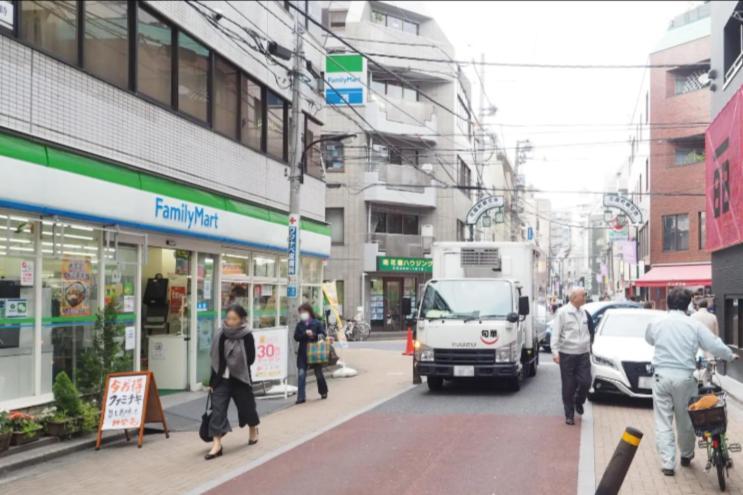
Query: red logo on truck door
[[489, 337]]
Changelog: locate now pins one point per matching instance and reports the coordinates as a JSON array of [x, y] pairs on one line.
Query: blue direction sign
[[292, 288]]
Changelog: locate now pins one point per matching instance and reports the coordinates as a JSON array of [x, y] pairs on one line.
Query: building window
[[733, 44], [394, 223], [334, 217], [643, 248], [251, 124], [193, 71], [688, 81], [106, 41], [312, 157], [337, 20], [51, 27], [332, 153], [154, 57], [276, 115], [688, 155], [395, 22], [226, 81], [702, 230], [393, 90], [647, 174], [464, 177], [7, 16], [461, 231], [676, 232]]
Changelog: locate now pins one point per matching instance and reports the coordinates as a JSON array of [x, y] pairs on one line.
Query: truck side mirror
[[512, 317], [523, 305]]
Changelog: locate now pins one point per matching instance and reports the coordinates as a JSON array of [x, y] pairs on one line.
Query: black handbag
[[205, 418]]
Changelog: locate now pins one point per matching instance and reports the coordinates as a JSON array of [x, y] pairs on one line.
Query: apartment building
[[392, 189], [679, 110], [144, 150]]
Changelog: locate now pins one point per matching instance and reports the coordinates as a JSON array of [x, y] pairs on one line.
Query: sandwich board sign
[[130, 400]]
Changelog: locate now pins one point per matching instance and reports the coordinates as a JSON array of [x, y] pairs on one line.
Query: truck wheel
[[533, 366], [514, 383], [435, 383]]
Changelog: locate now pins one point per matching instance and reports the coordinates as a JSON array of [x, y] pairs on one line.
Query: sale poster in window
[[270, 355], [77, 278], [177, 298]]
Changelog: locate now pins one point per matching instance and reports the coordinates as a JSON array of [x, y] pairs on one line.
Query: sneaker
[[668, 472], [686, 461], [300, 401], [569, 421], [579, 409]]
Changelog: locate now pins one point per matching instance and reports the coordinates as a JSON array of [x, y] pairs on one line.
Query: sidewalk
[[176, 465], [644, 476]]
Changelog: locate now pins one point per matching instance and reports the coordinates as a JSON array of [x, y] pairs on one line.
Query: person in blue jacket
[[309, 329]]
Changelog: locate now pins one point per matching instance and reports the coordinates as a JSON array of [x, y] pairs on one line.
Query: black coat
[[249, 343], [300, 336]]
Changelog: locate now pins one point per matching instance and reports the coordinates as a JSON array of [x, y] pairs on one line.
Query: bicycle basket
[[713, 420]]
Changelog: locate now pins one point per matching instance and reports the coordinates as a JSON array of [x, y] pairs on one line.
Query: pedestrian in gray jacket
[[571, 347], [677, 339]]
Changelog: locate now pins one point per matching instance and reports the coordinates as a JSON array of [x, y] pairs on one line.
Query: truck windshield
[[462, 299]]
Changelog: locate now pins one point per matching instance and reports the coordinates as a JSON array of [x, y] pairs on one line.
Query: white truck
[[474, 317]]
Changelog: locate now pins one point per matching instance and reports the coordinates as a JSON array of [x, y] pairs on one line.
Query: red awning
[[664, 276]]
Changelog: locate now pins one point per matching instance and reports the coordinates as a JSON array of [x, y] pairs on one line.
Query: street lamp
[[335, 138]]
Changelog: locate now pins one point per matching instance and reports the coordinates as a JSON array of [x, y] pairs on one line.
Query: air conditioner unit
[[427, 230]]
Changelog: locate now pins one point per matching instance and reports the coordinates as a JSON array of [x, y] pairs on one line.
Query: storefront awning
[[664, 276]]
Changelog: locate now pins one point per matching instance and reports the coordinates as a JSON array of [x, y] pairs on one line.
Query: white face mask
[[304, 316]]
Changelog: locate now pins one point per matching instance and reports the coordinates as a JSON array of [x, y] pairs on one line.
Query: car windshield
[[627, 325], [453, 299]]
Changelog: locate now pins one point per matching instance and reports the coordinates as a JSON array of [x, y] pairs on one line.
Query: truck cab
[[473, 320]]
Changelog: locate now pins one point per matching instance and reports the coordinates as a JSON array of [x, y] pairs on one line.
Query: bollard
[[620, 461]]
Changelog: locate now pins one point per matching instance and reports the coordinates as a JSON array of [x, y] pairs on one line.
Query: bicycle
[[711, 424], [354, 330]]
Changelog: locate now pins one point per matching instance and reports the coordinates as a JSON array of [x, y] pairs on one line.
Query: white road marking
[[586, 460]]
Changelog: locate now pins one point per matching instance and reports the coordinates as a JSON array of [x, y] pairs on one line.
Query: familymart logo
[[185, 214]]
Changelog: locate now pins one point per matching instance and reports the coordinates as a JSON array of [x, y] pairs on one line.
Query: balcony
[[398, 116], [387, 183], [406, 246]]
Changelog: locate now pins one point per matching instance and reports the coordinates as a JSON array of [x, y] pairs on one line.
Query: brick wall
[[665, 176]]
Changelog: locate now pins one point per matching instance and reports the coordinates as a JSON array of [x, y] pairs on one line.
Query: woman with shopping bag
[[312, 352]]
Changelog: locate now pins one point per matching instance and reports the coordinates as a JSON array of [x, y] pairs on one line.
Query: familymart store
[[76, 234]]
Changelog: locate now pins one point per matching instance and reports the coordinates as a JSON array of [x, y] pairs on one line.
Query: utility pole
[[294, 282]]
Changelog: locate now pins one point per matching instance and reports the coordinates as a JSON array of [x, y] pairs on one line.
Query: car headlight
[[507, 354], [423, 352], [602, 361]]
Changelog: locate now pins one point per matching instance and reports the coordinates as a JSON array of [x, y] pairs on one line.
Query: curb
[[10, 463]]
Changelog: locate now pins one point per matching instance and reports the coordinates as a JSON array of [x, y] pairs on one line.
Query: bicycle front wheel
[[721, 465]]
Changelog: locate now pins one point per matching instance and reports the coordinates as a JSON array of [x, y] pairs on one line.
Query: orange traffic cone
[[409, 347]]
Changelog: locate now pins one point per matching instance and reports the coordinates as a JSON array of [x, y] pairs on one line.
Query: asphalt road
[[468, 439]]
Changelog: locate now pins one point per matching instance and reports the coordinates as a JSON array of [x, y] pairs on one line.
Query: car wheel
[[435, 383]]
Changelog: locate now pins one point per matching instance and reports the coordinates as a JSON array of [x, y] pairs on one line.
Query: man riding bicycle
[[677, 339]]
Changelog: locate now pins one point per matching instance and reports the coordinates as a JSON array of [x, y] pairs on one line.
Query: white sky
[[560, 33]]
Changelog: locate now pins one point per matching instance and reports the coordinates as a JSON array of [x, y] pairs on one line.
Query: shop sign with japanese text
[[408, 265]]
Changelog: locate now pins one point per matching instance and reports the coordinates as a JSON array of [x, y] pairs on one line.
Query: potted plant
[[68, 416], [6, 431], [25, 428]]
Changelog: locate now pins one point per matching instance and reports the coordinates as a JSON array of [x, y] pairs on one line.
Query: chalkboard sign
[[130, 400]]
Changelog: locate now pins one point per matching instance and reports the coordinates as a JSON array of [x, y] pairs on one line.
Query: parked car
[[621, 360], [596, 310]]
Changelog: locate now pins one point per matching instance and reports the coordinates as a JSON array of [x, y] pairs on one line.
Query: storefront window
[[311, 270], [121, 281], [376, 301], [69, 301], [206, 317], [16, 307], [283, 267], [264, 266], [283, 305], [313, 295], [235, 281], [264, 305]]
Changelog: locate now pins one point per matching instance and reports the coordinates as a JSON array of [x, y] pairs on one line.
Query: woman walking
[[309, 329], [233, 351]]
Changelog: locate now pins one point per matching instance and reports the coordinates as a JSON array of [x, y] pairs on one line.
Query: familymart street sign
[[346, 76], [406, 265]]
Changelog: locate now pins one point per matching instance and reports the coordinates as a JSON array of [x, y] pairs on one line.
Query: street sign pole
[[294, 278]]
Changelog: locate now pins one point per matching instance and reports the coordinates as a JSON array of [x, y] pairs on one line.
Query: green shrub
[[90, 417], [5, 424], [66, 395]]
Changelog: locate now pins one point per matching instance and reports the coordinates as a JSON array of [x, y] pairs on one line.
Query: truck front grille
[[464, 356]]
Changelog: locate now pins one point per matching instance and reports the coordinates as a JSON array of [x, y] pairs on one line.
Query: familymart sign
[[346, 79]]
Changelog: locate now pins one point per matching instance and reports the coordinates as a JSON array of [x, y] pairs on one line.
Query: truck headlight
[[602, 361], [507, 354], [423, 352]]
